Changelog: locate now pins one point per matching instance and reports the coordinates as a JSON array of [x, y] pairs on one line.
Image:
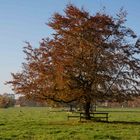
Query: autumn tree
[[89, 58]]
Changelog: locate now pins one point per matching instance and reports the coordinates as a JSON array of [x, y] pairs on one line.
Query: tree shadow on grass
[[123, 122], [106, 137], [2, 124], [122, 111]]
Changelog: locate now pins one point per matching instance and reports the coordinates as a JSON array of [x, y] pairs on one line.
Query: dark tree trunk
[[87, 110], [94, 107], [71, 108]]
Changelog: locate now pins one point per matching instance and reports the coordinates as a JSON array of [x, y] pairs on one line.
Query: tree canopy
[[88, 58]]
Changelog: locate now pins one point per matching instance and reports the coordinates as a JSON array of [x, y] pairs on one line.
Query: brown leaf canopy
[[89, 58]]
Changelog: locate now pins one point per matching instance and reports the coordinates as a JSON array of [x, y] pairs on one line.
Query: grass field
[[45, 124]]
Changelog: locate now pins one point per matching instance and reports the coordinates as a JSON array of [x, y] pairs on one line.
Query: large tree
[[89, 58]]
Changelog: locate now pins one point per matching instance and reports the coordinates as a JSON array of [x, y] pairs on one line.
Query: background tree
[[89, 58], [24, 101], [6, 101]]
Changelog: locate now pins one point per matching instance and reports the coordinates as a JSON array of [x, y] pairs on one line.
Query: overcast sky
[[24, 20]]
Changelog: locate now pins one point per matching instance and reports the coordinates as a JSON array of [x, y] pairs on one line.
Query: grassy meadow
[[41, 123]]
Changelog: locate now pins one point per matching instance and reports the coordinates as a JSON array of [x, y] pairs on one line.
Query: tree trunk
[[71, 109], [87, 110]]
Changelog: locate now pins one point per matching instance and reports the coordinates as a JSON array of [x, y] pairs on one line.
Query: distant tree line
[[6, 101], [23, 101]]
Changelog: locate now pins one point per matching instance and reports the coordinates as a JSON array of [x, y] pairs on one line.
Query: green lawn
[[44, 124]]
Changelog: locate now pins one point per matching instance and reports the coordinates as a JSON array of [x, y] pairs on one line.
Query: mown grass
[[45, 124]]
